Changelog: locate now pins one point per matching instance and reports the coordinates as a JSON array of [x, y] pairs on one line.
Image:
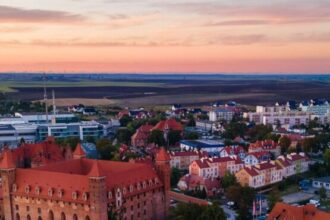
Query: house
[[288, 168], [215, 167], [306, 212], [301, 162], [191, 182], [322, 182], [233, 150], [260, 175], [250, 177], [183, 159], [168, 125], [265, 145], [256, 157], [204, 168], [140, 137]]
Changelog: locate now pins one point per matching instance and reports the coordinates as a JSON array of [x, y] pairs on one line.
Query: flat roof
[[203, 143]]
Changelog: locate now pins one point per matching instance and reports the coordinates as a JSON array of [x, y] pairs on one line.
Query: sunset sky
[[223, 36]]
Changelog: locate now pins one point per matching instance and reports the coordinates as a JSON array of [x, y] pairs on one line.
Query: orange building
[[85, 189]]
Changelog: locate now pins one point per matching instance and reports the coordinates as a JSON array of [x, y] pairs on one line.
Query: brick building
[[85, 189]]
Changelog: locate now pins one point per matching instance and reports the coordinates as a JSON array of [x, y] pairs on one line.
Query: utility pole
[[45, 97]]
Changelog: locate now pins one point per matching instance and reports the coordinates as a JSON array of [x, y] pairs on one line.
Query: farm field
[[137, 92]]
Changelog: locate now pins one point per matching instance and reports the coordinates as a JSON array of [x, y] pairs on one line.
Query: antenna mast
[[45, 97]]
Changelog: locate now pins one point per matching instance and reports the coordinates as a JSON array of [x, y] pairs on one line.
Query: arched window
[[17, 216], [50, 215], [39, 218], [87, 218], [63, 216], [28, 217], [75, 217]]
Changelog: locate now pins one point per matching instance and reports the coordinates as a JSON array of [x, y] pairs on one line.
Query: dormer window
[[144, 184], [124, 190], [156, 180], [85, 196], [14, 187], [74, 195], [150, 182], [50, 192], [138, 186], [60, 193], [131, 188], [27, 188], [109, 195], [37, 190]]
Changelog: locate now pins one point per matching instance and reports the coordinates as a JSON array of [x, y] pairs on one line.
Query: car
[[230, 203], [315, 202]]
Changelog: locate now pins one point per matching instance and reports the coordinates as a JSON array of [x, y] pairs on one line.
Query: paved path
[[231, 214], [297, 197]]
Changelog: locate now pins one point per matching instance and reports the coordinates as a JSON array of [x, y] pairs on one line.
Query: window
[[63, 216], [50, 215], [60, 193], [74, 195], [27, 208], [17, 217], [28, 217], [39, 210], [75, 217], [87, 218]]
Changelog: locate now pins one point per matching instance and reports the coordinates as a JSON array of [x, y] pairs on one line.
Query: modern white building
[[221, 114], [209, 146]]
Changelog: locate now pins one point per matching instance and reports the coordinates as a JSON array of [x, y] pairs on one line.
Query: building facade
[[81, 188]]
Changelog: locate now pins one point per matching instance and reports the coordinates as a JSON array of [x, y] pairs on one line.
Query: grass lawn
[[290, 189]]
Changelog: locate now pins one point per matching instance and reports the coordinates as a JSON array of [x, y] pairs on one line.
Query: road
[[231, 214]]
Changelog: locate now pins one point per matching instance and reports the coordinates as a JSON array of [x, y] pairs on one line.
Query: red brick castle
[[79, 188]]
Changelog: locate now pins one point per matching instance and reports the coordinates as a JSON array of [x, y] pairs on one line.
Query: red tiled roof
[[7, 160], [264, 166], [169, 124], [73, 176], [265, 145], [251, 171], [162, 155], [202, 164], [259, 154], [284, 211], [79, 151]]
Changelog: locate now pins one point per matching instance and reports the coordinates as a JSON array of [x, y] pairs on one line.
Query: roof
[[73, 176], [250, 171], [202, 143], [265, 166], [283, 211], [162, 155], [202, 164], [260, 154], [79, 151], [185, 154], [169, 124], [324, 179], [7, 160]]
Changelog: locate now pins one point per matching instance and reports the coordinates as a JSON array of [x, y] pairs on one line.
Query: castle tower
[[7, 169], [164, 171], [98, 193], [79, 152]]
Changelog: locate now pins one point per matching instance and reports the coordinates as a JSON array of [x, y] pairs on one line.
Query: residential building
[[234, 150], [191, 182], [260, 175], [305, 212], [86, 189], [215, 167], [183, 159], [12, 135], [256, 157], [293, 163], [140, 137], [322, 182], [265, 145], [221, 115]]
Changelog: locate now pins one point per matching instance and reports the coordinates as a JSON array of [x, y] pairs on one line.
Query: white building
[[221, 114]]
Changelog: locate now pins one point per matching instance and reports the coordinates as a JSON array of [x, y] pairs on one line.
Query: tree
[[310, 144], [323, 193], [326, 158], [187, 211], [234, 129], [175, 176], [191, 136], [228, 180], [191, 121], [125, 120], [105, 148], [284, 143], [273, 198], [157, 137], [173, 137], [123, 135]]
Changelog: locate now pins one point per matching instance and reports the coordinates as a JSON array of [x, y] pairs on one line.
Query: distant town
[[109, 162]]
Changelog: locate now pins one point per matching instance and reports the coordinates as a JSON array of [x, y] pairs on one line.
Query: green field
[[8, 86]]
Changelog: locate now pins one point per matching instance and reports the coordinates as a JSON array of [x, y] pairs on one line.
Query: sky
[[165, 36]]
